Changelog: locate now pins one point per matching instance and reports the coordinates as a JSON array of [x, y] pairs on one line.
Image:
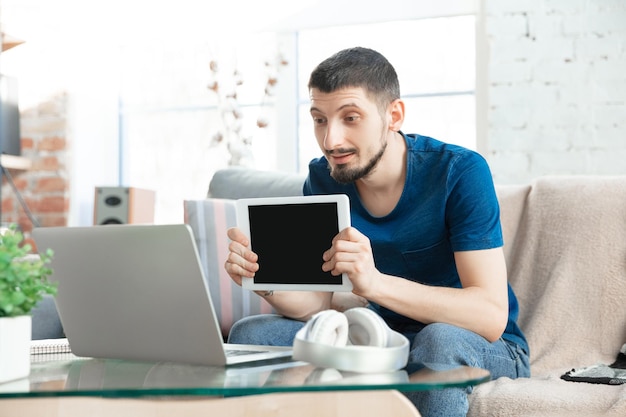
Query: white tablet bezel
[[343, 220]]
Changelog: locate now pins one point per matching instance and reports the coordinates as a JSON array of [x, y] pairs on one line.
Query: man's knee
[[441, 343]]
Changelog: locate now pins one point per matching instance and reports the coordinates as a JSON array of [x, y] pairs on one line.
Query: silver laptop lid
[[133, 292]]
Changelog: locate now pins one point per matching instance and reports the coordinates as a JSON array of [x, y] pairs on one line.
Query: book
[[50, 346]]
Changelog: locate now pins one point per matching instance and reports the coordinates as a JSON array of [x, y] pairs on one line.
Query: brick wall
[[44, 187], [556, 88]]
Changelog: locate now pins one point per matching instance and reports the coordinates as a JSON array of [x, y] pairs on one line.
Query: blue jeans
[[435, 344]]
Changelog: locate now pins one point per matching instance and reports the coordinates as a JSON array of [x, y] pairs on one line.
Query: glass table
[[66, 375]]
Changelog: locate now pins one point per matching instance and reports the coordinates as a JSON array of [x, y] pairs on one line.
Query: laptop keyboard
[[239, 352]]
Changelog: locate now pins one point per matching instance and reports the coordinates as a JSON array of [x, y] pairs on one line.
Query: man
[[425, 246]]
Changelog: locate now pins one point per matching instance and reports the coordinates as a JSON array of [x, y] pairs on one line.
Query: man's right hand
[[241, 261]]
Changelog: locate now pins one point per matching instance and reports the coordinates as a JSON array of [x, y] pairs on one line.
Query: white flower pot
[[15, 337]]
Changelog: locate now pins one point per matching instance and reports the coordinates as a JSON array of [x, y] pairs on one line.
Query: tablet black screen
[[290, 240]]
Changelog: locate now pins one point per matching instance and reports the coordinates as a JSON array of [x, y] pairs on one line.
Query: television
[[10, 135]]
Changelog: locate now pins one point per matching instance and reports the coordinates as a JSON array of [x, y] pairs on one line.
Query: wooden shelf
[[15, 162], [9, 42]]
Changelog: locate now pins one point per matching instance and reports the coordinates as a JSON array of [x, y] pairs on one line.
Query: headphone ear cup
[[329, 327], [366, 328]]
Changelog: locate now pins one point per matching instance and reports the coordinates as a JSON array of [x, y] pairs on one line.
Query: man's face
[[350, 131]]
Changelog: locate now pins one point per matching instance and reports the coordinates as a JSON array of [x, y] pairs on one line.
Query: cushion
[[209, 219]]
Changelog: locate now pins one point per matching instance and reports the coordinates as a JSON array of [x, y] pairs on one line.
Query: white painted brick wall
[[556, 88]]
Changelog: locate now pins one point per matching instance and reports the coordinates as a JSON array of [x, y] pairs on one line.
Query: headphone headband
[[353, 358]]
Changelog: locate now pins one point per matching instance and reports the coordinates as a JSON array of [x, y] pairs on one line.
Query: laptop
[[138, 292]]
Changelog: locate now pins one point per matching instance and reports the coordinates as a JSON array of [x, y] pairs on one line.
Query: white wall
[[556, 88]]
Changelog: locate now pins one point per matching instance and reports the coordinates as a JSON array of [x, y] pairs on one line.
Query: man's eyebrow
[[313, 108]]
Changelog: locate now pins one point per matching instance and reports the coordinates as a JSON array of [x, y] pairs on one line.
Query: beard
[[345, 174]]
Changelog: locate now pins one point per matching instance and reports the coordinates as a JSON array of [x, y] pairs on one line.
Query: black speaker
[[123, 205]]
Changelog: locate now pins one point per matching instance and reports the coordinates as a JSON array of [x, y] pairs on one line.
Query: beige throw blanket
[[565, 242], [568, 267]]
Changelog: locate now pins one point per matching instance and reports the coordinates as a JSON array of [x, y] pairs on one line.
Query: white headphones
[[357, 340]]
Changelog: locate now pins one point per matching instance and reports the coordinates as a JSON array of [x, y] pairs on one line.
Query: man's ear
[[396, 112]]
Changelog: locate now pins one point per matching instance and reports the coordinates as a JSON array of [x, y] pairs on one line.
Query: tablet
[[290, 234]]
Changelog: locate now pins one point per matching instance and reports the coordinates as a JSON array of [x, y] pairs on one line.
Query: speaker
[[357, 340], [123, 205]]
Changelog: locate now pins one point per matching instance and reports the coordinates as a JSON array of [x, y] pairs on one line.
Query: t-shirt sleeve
[[472, 209]]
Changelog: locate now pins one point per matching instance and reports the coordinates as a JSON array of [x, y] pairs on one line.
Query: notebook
[[49, 346], [138, 292]]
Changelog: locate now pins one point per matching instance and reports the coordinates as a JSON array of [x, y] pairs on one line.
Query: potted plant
[[23, 283]]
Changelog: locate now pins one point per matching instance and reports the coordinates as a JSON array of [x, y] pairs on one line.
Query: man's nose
[[334, 136]]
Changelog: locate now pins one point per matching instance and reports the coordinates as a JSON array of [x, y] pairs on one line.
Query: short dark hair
[[358, 67]]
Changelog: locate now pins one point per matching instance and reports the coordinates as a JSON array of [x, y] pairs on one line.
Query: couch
[[565, 247]]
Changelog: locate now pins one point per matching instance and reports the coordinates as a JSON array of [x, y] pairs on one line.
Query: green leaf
[[23, 281]]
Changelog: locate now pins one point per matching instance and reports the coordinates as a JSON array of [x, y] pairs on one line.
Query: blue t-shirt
[[448, 204]]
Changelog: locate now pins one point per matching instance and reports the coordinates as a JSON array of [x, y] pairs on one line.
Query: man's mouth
[[340, 157]]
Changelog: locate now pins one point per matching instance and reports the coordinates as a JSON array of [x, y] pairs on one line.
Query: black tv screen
[[10, 137]]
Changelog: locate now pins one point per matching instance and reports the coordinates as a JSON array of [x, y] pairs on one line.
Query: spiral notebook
[[50, 346]]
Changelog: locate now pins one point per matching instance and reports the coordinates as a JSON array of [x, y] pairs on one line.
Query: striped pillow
[[209, 219]]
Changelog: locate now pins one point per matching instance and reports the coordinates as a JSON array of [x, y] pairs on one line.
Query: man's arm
[[481, 305], [343, 301]]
